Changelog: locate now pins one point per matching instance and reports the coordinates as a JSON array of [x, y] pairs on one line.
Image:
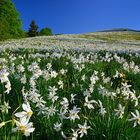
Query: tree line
[[11, 24], [33, 30]]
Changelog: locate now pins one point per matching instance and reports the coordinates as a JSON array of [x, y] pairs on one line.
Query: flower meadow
[[72, 94]]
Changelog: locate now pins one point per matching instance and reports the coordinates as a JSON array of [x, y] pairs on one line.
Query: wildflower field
[[69, 90]]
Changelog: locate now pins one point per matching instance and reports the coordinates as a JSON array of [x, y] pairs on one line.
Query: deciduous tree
[[46, 31], [10, 24]]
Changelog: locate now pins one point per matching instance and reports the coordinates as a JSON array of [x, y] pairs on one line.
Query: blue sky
[[80, 16]]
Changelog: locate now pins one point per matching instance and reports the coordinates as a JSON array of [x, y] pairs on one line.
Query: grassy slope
[[113, 36], [106, 36]]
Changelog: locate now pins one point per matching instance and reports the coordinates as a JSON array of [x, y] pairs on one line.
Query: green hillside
[[113, 36]]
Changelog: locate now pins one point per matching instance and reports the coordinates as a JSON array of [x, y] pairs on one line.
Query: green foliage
[[33, 29], [46, 31], [10, 24]]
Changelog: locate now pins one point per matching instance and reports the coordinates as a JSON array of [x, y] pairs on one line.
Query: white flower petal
[[20, 114]]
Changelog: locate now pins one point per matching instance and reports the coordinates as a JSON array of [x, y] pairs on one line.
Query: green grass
[[113, 36]]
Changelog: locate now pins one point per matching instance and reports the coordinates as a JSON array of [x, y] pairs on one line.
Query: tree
[[46, 31], [33, 29], [10, 24]]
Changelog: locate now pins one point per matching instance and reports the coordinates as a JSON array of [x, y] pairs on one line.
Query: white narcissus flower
[[102, 110], [52, 94], [133, 97], [57, 126], [87, 93], [125, 86], [72, 98], [53, 74], [83, 129], [26, 113], [20, 68], [83, 78], [61, 84], [4, 79], [34, 95], [4, 76], [63, 113], [116, 75], [40, 103], [73, 114], [91, 88], [62, 71], [106, 80], [120, 111], [4, 108], [23, 79], [74, 135], [94, 78], [32, 81], [49, 66], [51, 111], [8, 87], [46, 75], [33, 66], [2, 124], [63, 135], [88, 103], [24, 126], [64, 103], [37, 73], [136, 118]]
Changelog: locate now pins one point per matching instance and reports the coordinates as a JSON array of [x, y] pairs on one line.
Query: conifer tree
[[33, 29]]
